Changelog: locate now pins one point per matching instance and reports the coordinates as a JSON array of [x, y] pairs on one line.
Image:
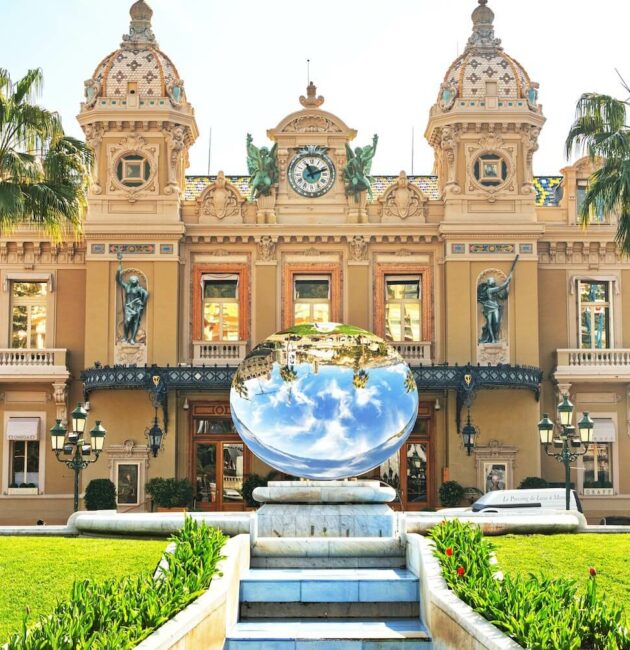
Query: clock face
[[311, 173]]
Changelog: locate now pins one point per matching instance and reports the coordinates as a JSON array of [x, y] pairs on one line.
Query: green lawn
[[570, 556], [36, 572]]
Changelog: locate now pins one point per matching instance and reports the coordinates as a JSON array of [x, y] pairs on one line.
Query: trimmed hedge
[[100, 494], [536, 611], [451, 494], [120, 613], [170, 492]]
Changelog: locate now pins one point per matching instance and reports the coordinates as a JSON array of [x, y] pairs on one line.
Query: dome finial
[[483, 38], [140, 33], [311, 100]]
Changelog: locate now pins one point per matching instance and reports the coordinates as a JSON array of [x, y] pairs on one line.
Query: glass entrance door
[[218, 459]]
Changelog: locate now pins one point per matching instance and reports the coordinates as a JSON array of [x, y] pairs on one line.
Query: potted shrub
[[533, 483], [249, 485], [451, 494], [100, 494], [170, 494]]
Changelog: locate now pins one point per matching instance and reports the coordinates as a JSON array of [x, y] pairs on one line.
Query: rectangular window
[[598, 465], [403, 308], [220, 307], [596, 213], [24, 463], [594, 314], [28, 314], [311, 299]]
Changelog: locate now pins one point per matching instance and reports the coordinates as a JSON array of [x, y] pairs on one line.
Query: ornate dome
[[485, 61], [138, 60]]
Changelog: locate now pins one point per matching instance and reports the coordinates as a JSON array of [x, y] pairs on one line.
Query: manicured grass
[[36, 572], [570, 556]]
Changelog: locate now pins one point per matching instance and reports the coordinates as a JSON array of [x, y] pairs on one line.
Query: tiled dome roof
[[139, 60], [484, 60]]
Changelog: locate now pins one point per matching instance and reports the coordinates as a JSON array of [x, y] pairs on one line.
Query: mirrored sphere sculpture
[[324, 401]]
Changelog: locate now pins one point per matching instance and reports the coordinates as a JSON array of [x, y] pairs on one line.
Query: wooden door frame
[[208, 410]]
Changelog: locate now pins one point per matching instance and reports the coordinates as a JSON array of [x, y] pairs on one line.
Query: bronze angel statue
[[263, 168], [356, 173]]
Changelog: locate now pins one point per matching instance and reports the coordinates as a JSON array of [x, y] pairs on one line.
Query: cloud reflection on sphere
[[324, 401]]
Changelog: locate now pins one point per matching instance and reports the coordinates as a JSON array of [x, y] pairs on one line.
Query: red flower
[[592, 570], [449, 551], [460, 571]]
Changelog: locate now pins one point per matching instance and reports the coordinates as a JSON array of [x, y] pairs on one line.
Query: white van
[[519, 502]]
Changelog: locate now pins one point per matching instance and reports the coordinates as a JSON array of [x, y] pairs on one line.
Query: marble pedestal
[[325, 509]]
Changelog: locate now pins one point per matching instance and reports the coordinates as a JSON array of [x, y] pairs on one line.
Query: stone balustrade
[[592, 364], [221, 353], [414, 353], [22, 363]]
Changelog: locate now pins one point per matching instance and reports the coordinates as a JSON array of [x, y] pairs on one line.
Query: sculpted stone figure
[[356, 173], [263, 168], [491, 297], [134, 301]]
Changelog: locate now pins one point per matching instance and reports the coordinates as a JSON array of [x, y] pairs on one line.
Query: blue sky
[[322, 417], [379, 64]]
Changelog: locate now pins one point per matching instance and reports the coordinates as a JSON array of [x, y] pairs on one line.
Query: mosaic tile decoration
[[548, 188], [97, 249], [166, 249], [526, 249], [458, 249], [493, 249], [132, 249]]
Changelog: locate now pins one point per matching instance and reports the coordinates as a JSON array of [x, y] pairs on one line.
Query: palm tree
[[44, 174], [601, 130], [360, 378]]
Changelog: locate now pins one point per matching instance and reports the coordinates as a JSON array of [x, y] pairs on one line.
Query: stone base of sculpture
[[357, 208], [266, 212], [325, 509], [130, 353], [493, 353]]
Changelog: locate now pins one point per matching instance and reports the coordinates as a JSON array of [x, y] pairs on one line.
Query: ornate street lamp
[[73, 444], [572, 445], [155, 435], [469, 433]]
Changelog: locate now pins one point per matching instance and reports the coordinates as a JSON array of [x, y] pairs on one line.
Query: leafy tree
[[44, 174], [601, 130]]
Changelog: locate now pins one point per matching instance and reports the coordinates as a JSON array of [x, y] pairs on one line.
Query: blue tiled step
[[329, 585], [407, 634]]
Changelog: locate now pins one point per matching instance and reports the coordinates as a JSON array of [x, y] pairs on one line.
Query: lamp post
[[569, 443], [74, 445]]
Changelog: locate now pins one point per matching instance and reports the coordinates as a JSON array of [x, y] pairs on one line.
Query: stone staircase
[[328, 594]]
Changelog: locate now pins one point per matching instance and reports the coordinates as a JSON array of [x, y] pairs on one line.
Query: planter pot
[[599, 492], [31, 491], [160, 509]]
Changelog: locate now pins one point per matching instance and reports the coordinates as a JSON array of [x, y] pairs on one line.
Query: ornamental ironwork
[[159, 380]]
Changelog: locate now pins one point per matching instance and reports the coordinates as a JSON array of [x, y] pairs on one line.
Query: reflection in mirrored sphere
[[324, 401]]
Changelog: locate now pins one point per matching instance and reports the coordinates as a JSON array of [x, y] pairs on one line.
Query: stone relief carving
[[175, 136], [221, 201], [133, 144], [529, 138], [60, 392], [266, 249], [491, 143], [311, 124], [93, 89], [403, 200], [94, 136], [449, 139], [358, 248]]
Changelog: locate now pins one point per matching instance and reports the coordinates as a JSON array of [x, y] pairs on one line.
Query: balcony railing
[[414, 353], [221, 353], [596, 363], [20, 363]]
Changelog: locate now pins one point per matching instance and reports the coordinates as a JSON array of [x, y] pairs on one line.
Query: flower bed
[[119, 613], [536, 611]]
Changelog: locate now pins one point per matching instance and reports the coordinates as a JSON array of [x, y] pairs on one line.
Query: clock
[[311, 172]]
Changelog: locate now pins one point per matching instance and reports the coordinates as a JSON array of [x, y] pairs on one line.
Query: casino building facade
[[223, 270]]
